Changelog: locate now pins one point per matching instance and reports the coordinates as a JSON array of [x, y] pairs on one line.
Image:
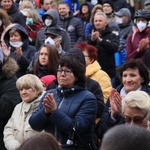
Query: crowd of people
[[74, 74]]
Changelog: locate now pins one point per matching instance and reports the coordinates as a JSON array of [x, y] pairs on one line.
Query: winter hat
[[109, 2], [77, 53], [47, 79]]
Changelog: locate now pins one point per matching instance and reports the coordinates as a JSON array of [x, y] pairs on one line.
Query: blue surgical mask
[[29, 21]]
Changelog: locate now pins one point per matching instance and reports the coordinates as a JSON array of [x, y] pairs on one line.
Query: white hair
[[139, 99]]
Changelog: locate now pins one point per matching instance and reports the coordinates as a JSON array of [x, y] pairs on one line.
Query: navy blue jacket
[[28, 50], [74, 105]]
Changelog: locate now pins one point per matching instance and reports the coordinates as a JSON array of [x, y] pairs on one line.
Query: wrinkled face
[[135, 116], [107, 8], [15, 37], [6, 4], [43, 56], [65, 77], [85, 9], [46, 5], [63, 10], [99, 22], [131, 79], [28, 94]]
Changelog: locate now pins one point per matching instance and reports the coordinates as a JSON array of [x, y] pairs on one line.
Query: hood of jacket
[[13, 9], [53, 14], [90, 5], [9, 68], [23, 32]]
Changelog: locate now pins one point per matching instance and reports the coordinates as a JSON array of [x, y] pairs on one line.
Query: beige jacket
[[17, 130]]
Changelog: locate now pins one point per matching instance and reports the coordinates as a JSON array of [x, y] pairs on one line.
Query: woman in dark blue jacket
[[69, 111], [17, 40]]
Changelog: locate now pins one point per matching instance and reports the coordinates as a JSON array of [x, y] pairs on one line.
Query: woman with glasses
[[135, 107], [69, 111], [134, 77]]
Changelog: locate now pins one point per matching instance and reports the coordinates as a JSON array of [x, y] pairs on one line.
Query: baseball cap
[[123, 12], [147, 2], [53, 31]]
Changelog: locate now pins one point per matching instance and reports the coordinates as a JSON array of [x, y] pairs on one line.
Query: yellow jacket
[[94, 72]]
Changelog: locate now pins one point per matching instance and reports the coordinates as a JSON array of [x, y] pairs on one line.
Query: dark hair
[[40, 141], [76, 67], [91, 50], [135, 64], [128, 137], [53, 58]]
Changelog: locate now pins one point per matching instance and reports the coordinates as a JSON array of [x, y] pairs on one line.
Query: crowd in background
[[76, 73]]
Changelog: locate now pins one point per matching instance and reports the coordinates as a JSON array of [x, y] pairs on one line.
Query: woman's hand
[[143, 44], [115, 102], [19, 52], [6, 50], [49, 104]]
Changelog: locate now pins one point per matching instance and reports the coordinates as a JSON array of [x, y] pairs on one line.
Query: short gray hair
[[139, 99], [102, 14]]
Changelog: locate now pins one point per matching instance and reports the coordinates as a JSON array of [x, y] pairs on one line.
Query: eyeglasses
[[66, 72], [136, 119]]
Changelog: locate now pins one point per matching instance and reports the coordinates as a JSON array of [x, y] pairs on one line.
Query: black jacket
[[74, 27], [16, 15], [9, 94], [106, 49]]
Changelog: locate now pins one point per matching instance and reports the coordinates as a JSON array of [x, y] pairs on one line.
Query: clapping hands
[[49, 104]]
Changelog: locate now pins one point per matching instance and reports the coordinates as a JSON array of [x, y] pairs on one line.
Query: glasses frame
[[66, 72], [134, 119]]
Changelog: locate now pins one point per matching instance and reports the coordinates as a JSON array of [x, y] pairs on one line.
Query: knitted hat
[[47, 79], [109, 2]]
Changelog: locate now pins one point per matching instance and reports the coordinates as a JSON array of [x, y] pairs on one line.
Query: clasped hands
[[95, 36], [143, 44], [49, 104], [115, 102]]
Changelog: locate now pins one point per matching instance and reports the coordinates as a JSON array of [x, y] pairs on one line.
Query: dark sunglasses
[[136, 119]]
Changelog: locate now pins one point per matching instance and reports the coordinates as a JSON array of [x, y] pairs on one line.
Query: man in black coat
[[106, 42], [11, 8]]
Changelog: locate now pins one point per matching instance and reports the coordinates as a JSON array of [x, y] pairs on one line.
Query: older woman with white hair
[[135, 107]]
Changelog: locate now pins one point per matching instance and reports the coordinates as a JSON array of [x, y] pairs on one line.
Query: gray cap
[[147, 2], [123, 12]]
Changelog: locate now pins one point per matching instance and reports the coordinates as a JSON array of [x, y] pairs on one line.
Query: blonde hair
[[139, 99], [30, 81], [34, 15], [25, 4]]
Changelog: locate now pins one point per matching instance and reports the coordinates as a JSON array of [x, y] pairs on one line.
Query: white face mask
[[48, 22], [141, 25], [115, 32], [1, 22], [49, 40], [16, 44], [118, 20]]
